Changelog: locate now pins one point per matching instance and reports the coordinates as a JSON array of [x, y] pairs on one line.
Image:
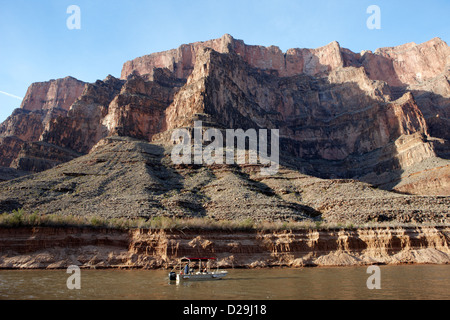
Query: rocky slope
[[128, 178], [53, 248], [348, 122]]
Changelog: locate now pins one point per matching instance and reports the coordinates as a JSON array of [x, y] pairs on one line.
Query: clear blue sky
[[36, 45]]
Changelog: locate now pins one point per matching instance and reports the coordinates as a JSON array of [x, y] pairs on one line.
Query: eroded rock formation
[[57, 248], [43, 102], [380, 117]]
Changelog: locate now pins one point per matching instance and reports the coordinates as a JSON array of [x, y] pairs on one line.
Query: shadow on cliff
[[325, 120], [436, 111], [170, 186], [369, 157], [269, 192]]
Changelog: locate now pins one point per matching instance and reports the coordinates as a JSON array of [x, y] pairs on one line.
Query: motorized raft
[[188, 270]]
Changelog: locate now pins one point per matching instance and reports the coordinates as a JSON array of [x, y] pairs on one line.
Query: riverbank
[[60, 247]]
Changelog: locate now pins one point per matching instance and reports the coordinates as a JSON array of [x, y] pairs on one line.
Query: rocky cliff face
[[133, 108], [379, 117], [54, 94], [182, 61], [407, 64], [323, 116], [332, 103], [43, 102], [55, 248]]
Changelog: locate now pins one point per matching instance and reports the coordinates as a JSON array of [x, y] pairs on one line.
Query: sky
[[37, 45]]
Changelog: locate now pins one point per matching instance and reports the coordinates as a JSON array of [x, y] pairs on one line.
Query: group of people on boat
[[188, 270], [189, 273]]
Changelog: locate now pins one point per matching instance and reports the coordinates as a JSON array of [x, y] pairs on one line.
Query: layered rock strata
[[54, 248], [43, 102], [378, 117]]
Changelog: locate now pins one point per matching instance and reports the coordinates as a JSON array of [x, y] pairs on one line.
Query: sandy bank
[[54, 248]]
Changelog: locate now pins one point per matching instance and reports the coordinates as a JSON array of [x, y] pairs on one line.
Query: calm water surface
[[397, 282]]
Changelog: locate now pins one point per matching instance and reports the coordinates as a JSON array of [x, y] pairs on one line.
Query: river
[[397, 282]]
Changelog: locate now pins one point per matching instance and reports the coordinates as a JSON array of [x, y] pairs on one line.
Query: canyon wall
[[381, 117], [54, 248], [53, 94], [43, 102], [401, 65]]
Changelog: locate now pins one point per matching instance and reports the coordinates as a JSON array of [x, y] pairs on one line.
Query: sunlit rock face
[[380, 117]]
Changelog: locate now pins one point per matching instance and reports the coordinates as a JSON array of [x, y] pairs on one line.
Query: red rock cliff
[[370, 115], [60, 93], [52, 248]]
